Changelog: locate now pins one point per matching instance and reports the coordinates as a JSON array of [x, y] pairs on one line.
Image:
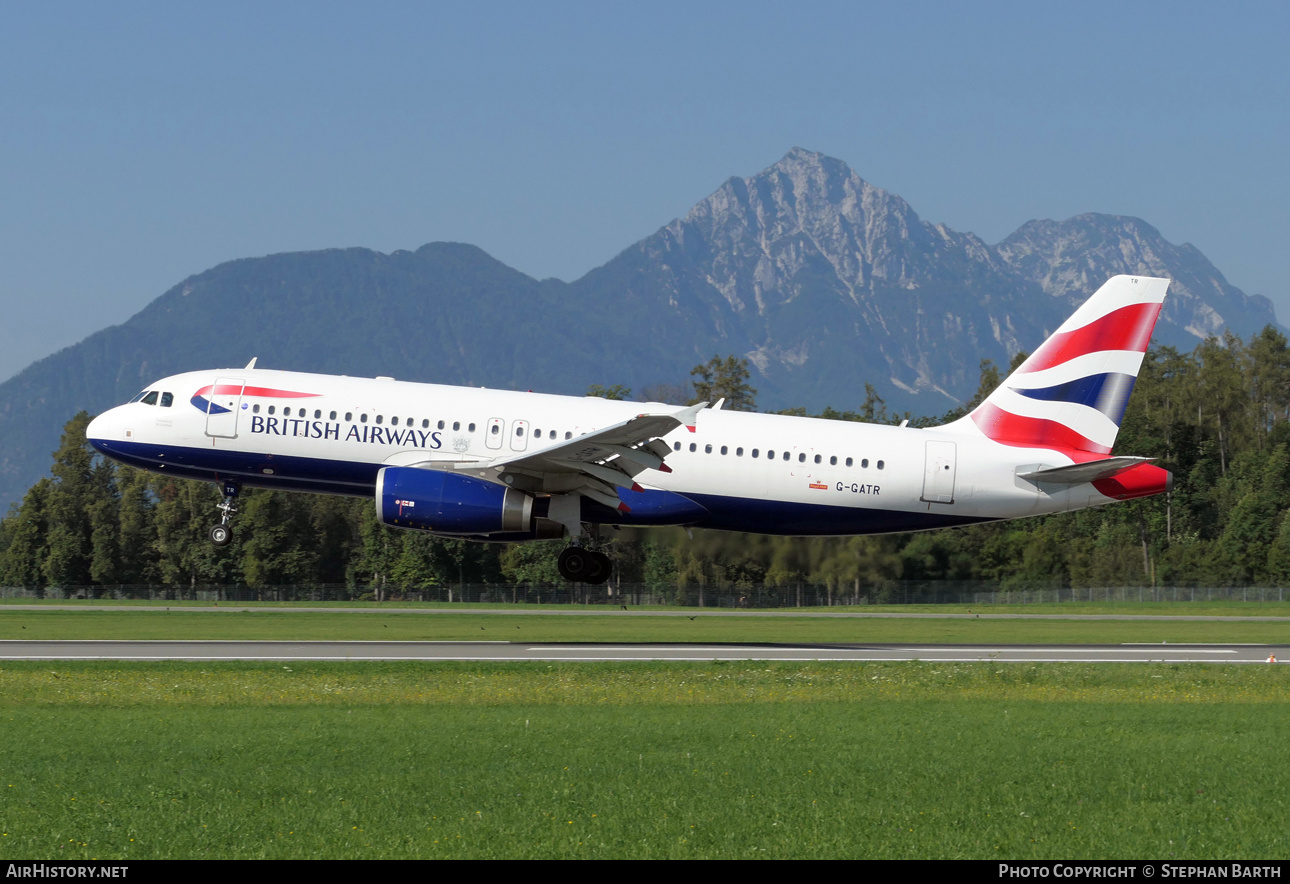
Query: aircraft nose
[[100, 429]]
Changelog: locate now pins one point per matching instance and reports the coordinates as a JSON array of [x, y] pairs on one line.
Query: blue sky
[[141, 143]]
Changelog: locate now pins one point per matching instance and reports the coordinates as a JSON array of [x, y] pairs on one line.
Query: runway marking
[[619, 660], [1177, 649], [246, 641]]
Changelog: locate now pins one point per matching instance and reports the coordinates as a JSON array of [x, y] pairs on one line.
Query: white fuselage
[[749, 472]]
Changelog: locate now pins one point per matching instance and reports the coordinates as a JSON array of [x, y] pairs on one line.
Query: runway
[[359, 651]]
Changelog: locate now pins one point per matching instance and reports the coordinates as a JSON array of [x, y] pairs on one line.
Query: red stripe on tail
[[1128, 328], [1007, 428]]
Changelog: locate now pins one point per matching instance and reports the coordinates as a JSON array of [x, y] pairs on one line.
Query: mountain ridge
[[822, 280]]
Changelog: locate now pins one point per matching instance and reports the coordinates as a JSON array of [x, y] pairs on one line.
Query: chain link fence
[[626, 594]]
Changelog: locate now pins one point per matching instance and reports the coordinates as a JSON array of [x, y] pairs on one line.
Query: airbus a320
[[494, 465]]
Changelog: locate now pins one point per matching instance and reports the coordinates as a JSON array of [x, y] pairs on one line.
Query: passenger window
[[801, 458], [833, 461], [694, 447], [394, 421], [332, 417], [519, 431], [456, 425], [818, 458], [707, 449], [362, 418], [255, 409], [441, 425], [380, 418], [724, 449], [786, 455], [848, 461], [881, 465], [864, 463], [754, 452], [469, 429], [739, 452], [495, 429], [349, 415], [167, 399], [271, 409], [317, 413], [676, 446], [770, 454]]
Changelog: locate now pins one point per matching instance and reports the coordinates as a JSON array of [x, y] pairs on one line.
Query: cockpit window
[[137, 398], [167, 399], [151, 398]]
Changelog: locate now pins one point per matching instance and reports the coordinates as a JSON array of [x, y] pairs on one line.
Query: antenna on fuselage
[[251, 364]]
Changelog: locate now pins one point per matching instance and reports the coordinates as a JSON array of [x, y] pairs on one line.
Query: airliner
[[503, 466]]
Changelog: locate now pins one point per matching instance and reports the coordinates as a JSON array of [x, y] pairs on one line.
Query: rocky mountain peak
[[1070, 259]]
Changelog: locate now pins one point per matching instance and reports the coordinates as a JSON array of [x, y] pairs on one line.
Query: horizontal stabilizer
[[1078, 474]]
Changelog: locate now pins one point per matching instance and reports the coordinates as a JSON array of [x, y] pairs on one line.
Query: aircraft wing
[[1078, 474], [595, 464]]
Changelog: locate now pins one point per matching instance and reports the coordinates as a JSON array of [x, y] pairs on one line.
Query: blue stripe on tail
[[1108, 393]]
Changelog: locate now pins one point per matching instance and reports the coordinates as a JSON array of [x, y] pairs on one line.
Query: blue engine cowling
[[449, 503]]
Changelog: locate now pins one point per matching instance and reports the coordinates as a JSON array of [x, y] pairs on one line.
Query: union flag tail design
[[1071, 393]]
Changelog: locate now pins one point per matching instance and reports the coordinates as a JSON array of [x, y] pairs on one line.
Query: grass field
[[1200, 608], [606, 626], [736, 760]]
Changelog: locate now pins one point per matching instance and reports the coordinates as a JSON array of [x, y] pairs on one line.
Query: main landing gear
[[222, 534], [588, 566]]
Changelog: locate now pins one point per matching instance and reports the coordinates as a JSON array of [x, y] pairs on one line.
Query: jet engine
[[449, 503]]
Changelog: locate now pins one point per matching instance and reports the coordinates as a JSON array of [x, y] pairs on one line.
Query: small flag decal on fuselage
[[819, 486]]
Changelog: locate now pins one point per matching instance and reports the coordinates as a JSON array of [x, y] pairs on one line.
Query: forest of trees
[[1218, 418]]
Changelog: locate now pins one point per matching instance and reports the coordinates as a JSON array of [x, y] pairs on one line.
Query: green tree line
[[1218, 418]]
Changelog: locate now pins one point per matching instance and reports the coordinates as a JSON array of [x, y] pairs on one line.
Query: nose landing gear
[[589, 566], [222, 534]]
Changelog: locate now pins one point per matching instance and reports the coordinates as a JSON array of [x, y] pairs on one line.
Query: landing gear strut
[[222, 534], [589, 566]]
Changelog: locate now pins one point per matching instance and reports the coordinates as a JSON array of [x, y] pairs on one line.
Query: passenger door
[[938, 472], [222, 407]]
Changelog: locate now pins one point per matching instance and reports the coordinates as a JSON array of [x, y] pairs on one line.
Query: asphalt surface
[[298, 651]]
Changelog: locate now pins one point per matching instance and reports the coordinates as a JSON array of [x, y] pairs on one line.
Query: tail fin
[[1071, 393]]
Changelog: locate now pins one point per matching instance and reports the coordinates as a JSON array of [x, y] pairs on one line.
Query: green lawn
[[642, 760], [1183, 607], [465, 625]]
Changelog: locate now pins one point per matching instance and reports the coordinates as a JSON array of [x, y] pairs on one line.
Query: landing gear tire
[[221, 535], [573, 563], [600, 569], [576, 563]]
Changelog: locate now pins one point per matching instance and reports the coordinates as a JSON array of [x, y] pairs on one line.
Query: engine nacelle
[[449, 503]]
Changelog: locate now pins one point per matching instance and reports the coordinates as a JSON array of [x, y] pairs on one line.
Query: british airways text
[[308, 429]]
